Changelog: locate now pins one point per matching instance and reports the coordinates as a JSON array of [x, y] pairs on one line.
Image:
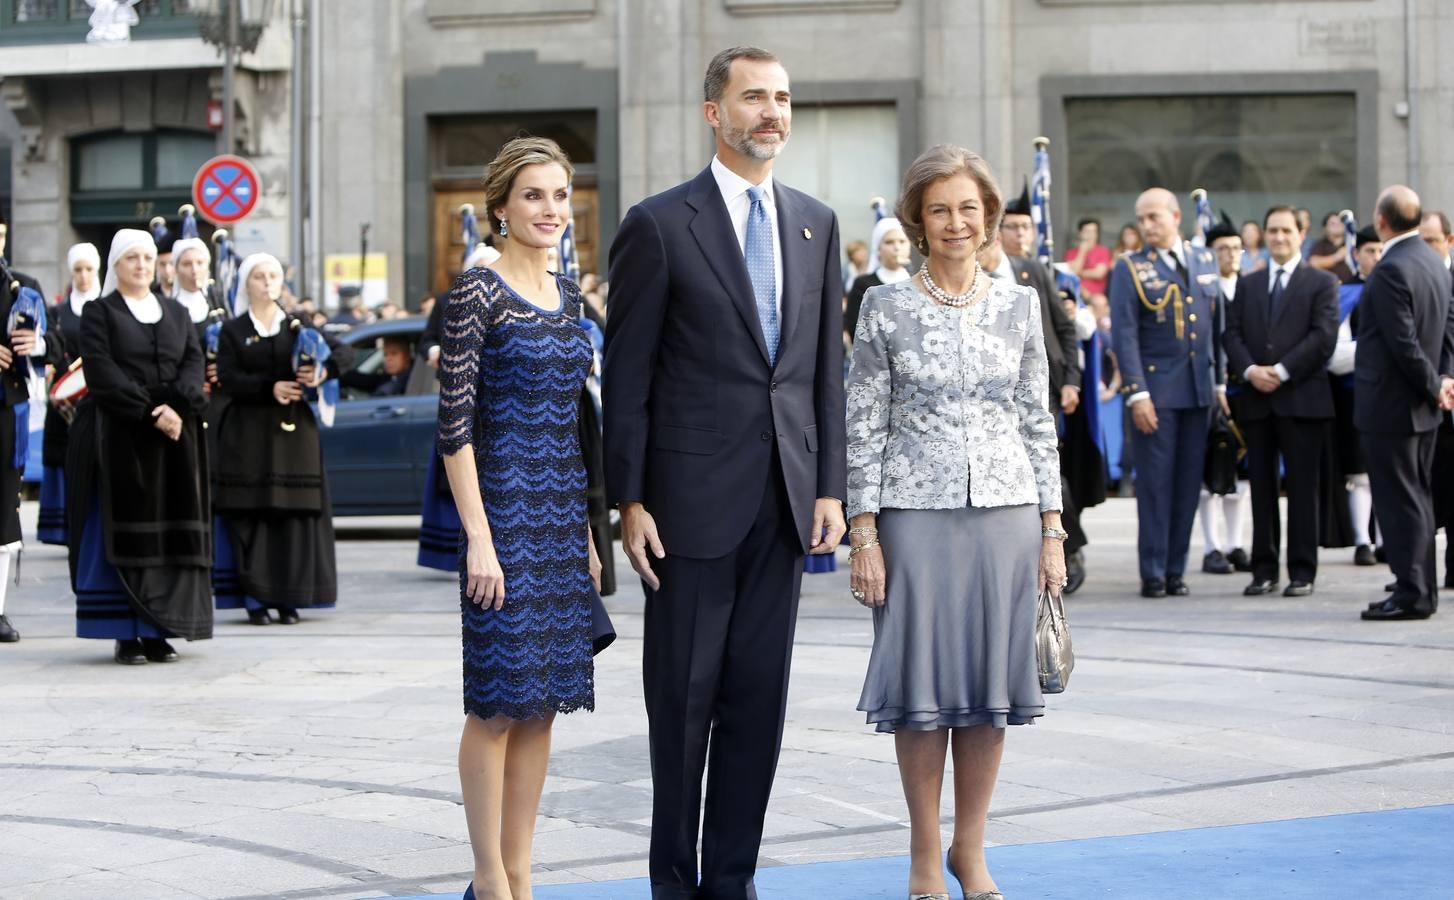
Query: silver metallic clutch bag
[[1053, 654]]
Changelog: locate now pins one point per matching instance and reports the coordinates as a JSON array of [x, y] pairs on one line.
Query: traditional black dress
[[63, 347], [140, 545], [269, 487]]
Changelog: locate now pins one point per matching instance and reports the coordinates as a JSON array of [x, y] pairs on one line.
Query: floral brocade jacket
[[947, 407]]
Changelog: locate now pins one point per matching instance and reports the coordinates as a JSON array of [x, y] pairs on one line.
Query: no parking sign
[[226, 189]]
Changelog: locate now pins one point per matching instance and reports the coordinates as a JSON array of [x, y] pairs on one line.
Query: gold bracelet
[[863, 530], [854, 551]]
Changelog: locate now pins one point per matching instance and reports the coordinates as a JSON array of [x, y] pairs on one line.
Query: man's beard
[[741, 140]]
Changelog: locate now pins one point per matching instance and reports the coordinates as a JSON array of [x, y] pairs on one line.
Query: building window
[[1248, 151], [844, 156], [125, 178], [465, 144], [25, 21]]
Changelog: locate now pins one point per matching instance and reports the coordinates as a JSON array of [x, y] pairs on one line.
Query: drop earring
[[503, 230]]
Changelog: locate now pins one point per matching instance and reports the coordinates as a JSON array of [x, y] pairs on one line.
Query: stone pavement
[[317, 761]]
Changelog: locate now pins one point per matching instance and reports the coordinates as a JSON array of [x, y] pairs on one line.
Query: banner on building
[[342, 270]]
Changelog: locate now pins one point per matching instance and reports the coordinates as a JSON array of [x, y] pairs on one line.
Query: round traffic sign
[[226, 189]]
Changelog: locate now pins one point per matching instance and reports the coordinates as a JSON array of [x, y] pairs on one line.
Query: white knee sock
[[1360, 504], [1233, 507], [6, 552], [1207, 511]]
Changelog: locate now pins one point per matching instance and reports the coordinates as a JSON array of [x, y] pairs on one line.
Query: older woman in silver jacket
[[954, 494]]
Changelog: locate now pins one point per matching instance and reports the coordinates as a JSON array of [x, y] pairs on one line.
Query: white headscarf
[[78, 253], [126, 240], [185, 244], [194, 301], [881, 228], [482, 255], [243, 301]]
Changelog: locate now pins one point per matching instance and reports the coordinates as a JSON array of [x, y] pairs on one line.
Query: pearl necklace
[[943, 297]]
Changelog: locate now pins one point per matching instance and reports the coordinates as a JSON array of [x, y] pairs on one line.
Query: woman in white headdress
[[63, 348], [888, 263], [269, 487], [136, 493], [195, 289]]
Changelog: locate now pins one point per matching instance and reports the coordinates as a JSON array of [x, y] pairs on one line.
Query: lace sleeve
[[461, 341]]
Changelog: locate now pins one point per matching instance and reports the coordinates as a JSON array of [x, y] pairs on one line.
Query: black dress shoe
[[1388, 611], [1074, 572], [1215, 563], [1298, 589], [1176, 586], [8, 634], [159, 651], [1390, 587], [1260, 586], [1153, 587], [258, 617], [1379, 555], [130, 653], [287, 615], [1238, 559], [1363, 556]]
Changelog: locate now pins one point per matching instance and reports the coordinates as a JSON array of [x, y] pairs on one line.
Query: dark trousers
[[1070, 519], [1168, 487], [1401, 477], [1299, 444], [718, 643], [1444, 493]]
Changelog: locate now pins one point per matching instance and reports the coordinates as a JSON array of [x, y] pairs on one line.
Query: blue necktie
[[1275, 306], [759, 255]]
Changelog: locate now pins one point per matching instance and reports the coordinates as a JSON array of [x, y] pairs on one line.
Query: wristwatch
[[1056, 533]]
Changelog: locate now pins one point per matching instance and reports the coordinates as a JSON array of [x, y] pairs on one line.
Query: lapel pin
[[808, 233]]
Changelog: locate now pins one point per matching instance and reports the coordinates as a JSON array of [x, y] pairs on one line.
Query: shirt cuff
[[1247, 373], [1220, 388], [434, 353], [1282, 372], [1139, 395]]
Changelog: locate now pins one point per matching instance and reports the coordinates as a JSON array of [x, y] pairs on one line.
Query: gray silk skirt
[[954, 645]]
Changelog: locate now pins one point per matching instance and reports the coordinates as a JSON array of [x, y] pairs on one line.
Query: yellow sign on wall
[[342, 270]]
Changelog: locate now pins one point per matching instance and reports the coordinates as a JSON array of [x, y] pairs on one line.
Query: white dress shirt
[[1275, 271], [734, 194], [1388, 244], [266, 330], [1228, 284]]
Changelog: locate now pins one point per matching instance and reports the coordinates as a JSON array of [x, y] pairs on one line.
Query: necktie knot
[[754, 193]]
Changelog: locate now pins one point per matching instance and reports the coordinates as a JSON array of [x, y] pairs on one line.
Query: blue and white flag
[[1350, 239], [469, 231], [1205, 221], [570, 265], [880, 209], [27, 313], [1040, 202], [188, 213], [310, 349]]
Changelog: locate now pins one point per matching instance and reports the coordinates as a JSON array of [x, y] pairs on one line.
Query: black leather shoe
[[1176, 586], [1260, 586], [1074, 572], [1238, 559], [1215, 563], [1379, 555], [1363, 556], [1298, 589], [1388, 611], [1153, 587], [258, 617], [159, 651], [130, 653], [8, 634], [287, 615], [1390, 587]]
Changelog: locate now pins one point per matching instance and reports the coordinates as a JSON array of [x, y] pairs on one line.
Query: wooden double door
[[447, 232]]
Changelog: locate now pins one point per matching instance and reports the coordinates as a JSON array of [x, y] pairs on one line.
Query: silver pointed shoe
[[943, 895]]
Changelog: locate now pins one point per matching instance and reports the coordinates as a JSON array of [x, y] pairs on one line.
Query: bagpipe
[[27, 313], [1350, 239], [470, 231], [311, 350]]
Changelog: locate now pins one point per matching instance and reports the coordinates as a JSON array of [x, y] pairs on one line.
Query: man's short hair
[[1443, 220], [1280, 208], [719, 70]]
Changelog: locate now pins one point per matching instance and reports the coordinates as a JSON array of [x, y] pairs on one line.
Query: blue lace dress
[[510, 378]]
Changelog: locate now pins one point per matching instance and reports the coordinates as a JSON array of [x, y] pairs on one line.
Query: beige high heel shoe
[[969, 895]]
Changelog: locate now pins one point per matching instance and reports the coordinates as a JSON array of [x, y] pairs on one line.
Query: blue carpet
[[1406, 853]]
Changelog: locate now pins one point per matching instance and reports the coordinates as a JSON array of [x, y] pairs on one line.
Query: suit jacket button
[[765, 436], [774, 387], [1192, 317], [1193, 335]]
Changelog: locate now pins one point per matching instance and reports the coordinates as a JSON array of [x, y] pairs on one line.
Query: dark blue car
[[378, 449]]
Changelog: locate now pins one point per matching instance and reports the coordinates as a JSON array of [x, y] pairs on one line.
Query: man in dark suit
[[1281, 329], [1402, 382], [1007, 258], [726, 455], [1436, 232], [1163, 298]]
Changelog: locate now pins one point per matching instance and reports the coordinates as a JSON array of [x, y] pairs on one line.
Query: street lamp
[[232, 26]]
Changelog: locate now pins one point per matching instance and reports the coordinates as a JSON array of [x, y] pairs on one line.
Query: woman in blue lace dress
[[513, 360]]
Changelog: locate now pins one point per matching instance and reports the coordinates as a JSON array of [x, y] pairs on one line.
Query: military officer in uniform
[[1162, 303]]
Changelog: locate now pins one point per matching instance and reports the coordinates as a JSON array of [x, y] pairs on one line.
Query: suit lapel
[[712, 229], [1288, 287], [792, 244]]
